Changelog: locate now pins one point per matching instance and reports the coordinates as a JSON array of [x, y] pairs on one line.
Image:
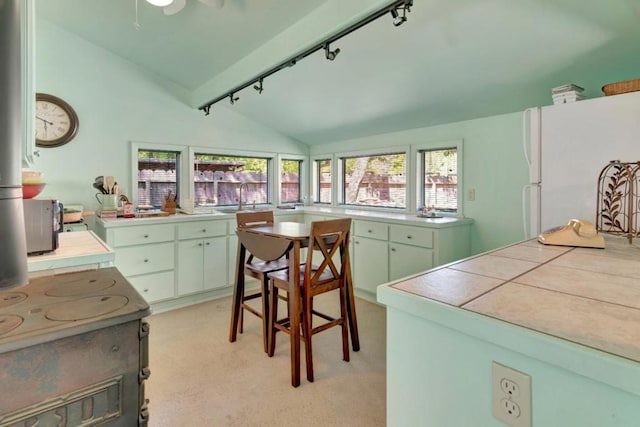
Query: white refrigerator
[[566, 146]]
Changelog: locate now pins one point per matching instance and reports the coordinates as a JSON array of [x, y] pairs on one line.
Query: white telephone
[[577, 232]]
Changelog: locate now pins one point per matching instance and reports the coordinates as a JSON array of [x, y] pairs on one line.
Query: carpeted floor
[[199, 378]]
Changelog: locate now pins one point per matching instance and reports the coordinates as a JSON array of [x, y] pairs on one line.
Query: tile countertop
[[583, 295], [79, 250]]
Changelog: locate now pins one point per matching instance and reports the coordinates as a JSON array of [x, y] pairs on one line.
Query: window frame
[[339, 173], [315, 179], [418, 172], [271, 171], [183, 164], [304, 173]]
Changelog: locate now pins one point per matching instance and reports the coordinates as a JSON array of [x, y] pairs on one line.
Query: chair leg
[[307, 327], [344, 325], [264, 288], [241, 319], [273, 318]]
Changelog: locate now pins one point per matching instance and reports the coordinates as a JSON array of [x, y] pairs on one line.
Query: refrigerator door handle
[[530, 211], [531, 141]]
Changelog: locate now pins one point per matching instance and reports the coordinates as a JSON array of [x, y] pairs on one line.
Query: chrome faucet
[[244, 184]]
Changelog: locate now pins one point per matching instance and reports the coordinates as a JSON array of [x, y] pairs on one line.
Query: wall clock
[[56, 121]]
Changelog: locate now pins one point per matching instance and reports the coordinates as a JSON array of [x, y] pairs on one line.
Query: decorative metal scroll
[[618, 208]]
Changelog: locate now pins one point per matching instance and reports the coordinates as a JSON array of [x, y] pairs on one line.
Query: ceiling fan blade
[[217, 3], [174, 7]]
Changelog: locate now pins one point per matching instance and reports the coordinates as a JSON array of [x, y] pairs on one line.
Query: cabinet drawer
[[200, 229], [145, 259], [416, 236], [127, 236], [154, 287], [373, 230]]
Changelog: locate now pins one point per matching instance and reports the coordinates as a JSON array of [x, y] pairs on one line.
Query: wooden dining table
[[264, 240]]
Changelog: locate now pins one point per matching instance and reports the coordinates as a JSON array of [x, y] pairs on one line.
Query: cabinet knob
[[200, 244], [393, 249], [145, 290], [146, 236], [208, 243], [409, 236], [357, 242], [204, 230], [369, 231], [146, 260]]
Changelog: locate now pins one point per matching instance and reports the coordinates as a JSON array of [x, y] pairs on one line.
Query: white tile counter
[[568, 317], [80, 250]]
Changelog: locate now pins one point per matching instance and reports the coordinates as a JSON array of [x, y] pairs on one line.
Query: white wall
[[118, 102], [494, 167]]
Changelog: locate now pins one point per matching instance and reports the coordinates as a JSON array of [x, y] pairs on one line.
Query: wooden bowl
[[29, 191]]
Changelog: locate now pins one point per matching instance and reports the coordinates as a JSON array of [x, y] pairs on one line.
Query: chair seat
[[263, 267]]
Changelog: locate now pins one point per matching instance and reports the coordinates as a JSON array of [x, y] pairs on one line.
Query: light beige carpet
[[199, 378]]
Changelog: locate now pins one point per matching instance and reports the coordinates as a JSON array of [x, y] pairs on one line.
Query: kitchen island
[[567, 317]]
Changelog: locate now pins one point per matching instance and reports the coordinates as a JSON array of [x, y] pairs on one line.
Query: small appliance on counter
[[43, 221]]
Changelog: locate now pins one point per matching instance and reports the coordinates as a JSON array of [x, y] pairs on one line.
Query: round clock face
[[56, 122]]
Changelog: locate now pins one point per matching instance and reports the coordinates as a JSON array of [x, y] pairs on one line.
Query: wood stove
[[73, 352]]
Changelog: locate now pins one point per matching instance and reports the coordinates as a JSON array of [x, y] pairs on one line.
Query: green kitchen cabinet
[[370, 255], [410, 250], [145, 255], [202, 256]]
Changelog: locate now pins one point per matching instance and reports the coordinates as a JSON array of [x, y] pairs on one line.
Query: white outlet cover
[[504, 379]]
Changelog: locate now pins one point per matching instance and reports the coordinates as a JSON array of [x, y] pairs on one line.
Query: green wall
[[494, 167], [118, 102]]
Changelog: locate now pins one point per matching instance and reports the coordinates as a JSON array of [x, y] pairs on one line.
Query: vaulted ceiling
[[452, 60]]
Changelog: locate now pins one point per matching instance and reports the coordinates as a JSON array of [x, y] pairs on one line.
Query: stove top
[[57, 306]]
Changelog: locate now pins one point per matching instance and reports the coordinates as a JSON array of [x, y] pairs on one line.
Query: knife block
[[169, 207]]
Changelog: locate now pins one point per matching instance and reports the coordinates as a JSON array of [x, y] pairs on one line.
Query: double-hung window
[[156, 173], [439, 174], [290, 181], [225, 180], [322, 181], [378, 180]]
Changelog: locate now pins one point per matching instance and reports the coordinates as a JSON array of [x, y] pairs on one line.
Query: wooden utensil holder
[[169, 207]]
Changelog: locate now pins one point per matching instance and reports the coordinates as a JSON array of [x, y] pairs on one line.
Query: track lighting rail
[[394, 9]]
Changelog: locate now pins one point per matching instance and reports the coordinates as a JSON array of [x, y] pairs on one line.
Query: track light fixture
[[397, 19], [259, 87], [398, 10], [329, 54]]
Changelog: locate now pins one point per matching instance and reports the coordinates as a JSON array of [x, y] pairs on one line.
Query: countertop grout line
[[575, 295], [506, 281]]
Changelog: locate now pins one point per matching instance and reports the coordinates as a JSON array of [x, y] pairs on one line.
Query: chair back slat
[[328, 238], [254, 219]]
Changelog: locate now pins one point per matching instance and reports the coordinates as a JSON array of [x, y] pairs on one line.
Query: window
[[158, 175], [438, 183], [375, 180], [290, 172], [322, 181], [220, 180]]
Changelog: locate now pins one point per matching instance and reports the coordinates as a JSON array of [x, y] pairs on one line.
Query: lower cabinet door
[[370, 263], [405, 260], [155, 286], [215, 263], [190, 266]]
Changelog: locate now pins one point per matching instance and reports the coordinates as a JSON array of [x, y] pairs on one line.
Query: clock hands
[[46, 122]]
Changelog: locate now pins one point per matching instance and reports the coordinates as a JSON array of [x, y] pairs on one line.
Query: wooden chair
[[328, 238], [263, 258]]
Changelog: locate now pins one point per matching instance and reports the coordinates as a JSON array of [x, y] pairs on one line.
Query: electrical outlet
[[511, 396]]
